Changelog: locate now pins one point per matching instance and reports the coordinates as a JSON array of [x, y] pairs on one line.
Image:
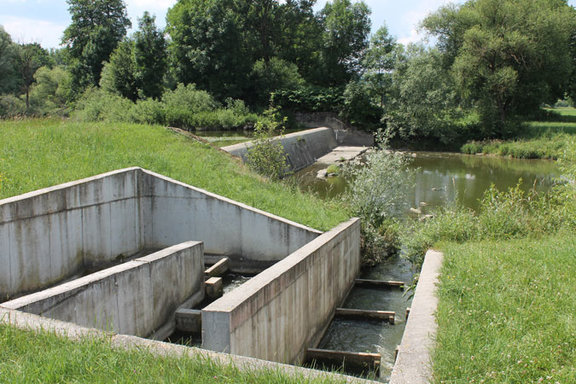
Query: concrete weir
[[51, 239]]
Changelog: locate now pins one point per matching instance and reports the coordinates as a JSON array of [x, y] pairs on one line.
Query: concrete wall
[[137, 298], [302, 148], [177, 212], [346, 135], [284, 310], [54, 233]]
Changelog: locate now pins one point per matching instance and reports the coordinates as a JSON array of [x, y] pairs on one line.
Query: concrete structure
[[138, 298], [413, 364], [285, 310], [302, 148], [56, 234], [345, 133]]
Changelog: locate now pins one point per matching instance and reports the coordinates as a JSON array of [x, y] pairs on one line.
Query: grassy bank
[[40, 153], [506, 288], [506, 312], [538, 139]]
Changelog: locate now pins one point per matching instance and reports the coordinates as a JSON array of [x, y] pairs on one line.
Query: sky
[[44, 21]]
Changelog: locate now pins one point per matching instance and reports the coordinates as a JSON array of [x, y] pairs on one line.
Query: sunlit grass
[[506, 312], [31, 357]]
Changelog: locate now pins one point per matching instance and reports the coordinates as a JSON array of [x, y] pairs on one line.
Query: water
[[441, 178]]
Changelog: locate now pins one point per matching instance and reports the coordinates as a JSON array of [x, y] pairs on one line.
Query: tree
[[118, 75], [8, 75], [345, 38], [149, 57], [378, 64], [509, 56], [207, 46], [97, 28], [28, 58], [51, 90], [300, 36]]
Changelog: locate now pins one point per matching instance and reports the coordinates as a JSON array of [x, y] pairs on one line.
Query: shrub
[[267, 156], [148, 112], [182, 103], [98, 105], [11, 106]]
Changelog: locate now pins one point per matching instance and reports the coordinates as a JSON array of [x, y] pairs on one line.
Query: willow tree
[[507, 56]]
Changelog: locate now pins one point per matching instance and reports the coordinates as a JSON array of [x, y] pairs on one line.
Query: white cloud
[[157, 8], [25, 30]]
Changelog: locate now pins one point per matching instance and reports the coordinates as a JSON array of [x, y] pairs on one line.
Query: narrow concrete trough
[[138, 298]]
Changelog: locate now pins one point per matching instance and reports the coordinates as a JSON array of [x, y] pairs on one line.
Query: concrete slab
[[413, 362], [342, 154]]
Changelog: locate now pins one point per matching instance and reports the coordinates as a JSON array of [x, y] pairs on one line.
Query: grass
[[39, 153], [538, 140], [506, 312], [30, 357]]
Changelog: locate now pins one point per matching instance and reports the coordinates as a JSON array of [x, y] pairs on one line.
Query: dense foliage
[[495, 62]]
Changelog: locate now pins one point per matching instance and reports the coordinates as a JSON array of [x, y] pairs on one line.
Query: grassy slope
[[27, 357], [506, 312], [36, 154]]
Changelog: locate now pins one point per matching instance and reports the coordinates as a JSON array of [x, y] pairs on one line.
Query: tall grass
[[40, 153]]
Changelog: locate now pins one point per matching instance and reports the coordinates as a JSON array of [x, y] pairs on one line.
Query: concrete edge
[[230, 201], [93, 278], [34, 323], [413, 364], [66, 185], [236, 298], [248, 144]]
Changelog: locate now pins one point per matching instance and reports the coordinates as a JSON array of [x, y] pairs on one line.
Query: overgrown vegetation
[[266, 156], [377, 196]]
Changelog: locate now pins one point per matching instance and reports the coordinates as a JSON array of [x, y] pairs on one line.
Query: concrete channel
[[49, 238]]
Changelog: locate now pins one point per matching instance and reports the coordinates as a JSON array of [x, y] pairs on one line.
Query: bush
[[11, 106], [267, 156], [148, 112], [377, 196], [184, 102], [98, 105]]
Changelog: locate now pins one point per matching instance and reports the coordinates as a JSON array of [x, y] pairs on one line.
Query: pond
[[441, 178]]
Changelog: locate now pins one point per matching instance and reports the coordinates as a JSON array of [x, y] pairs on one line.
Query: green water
[[442, 178]]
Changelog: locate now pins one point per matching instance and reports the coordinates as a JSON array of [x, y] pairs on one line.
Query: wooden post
[[355, 359], [379, 284], [366, 314]]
